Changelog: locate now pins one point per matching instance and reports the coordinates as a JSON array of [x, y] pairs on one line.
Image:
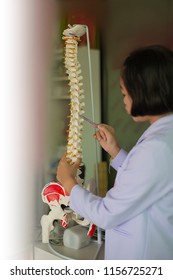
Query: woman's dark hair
[[148, 77]]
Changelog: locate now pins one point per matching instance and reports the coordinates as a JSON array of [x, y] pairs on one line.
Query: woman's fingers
[[77, 162], [100, 135], [106, 128], [103, 135]]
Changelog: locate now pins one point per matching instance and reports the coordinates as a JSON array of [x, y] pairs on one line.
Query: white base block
[[76, 237]]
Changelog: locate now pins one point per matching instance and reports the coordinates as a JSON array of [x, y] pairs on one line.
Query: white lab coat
[[137, 212]]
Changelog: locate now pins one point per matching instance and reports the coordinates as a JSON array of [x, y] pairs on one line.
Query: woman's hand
[[107, 139], [66, 173]]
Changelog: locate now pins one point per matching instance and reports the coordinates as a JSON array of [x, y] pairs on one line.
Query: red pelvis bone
[[55, 192]]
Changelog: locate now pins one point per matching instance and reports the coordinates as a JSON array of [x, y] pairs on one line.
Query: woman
[[137, 212]]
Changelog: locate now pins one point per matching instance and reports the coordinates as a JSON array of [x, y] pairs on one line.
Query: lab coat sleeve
[[142, 179], [119, 159]]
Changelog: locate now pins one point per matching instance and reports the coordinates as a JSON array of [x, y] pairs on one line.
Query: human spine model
[[53, 193]]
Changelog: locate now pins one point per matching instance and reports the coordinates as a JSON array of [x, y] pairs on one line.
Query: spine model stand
[[53, 193]]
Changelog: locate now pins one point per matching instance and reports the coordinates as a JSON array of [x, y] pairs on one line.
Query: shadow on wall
[[132, 24]]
